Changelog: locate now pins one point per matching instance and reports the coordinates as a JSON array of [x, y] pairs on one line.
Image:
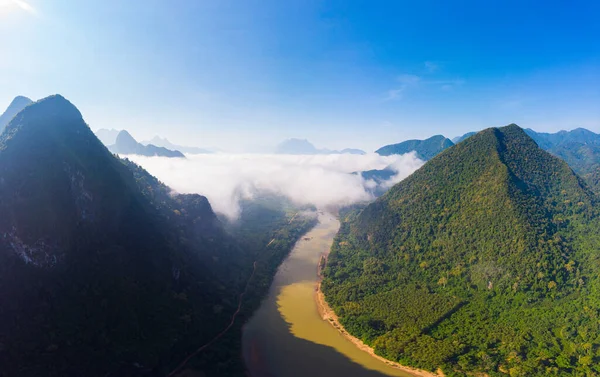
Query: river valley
[[287, 337]]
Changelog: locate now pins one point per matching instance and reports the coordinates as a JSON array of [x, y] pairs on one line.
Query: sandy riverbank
[[329, 316]]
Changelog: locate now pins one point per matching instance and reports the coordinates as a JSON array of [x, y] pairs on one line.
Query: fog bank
[[320, 180]]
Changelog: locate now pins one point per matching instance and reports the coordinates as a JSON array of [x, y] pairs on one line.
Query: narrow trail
[[220, 335]]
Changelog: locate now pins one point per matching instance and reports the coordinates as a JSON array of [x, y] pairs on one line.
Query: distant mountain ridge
[[165, 143], [458, 139], [126, 144], [303, 146], [425, 149], [578, 135], [106, 136], [580, 148], [17, 104]]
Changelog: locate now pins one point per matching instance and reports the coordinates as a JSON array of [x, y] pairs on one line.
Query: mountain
[[378, 179], [126, 144], [89, 273], [17, 104], [303, 146], [580, 148], [425, 149], [106, 136], [483, 261], [296, 146], [579, 135], [165, 143], [458, 139], [351, 151], [102, 271]]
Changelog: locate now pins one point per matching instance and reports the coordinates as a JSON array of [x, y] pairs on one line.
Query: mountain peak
[[80, 238], [57, 106], [51, 120], [125, 137], [157, 139], [303, 146], [126, 144], [20, 100], [487, 227], [425, 149], [296, 146], [16, 105]]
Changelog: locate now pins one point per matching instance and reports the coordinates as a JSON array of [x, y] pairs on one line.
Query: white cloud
[[9, 5], [321, 180]]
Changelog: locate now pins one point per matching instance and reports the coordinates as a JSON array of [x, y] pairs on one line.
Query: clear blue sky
[[247, 73]]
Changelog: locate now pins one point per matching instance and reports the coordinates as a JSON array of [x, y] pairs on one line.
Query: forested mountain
[[106, 136], [17, 104], [549, 140], [380, 178], [458, 139], [126, 144], [102, 271], [485, 260], [425, 149], [580, 148], [165, 143]]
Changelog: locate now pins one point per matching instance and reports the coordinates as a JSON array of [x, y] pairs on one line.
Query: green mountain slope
[[426, 149], [458, 139], [580, 148], [484, 260]]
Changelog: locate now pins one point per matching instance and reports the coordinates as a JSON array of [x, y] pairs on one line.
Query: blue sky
[[244, 74]]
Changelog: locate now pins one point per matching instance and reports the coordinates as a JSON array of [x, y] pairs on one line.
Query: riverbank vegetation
[[268, 227]]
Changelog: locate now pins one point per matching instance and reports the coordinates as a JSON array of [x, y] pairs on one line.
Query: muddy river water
[[287, 337]]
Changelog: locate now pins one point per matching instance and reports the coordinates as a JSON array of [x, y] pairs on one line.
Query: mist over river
[[287, 337]]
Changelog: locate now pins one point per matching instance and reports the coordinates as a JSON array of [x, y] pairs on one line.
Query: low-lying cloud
[[320, 180]]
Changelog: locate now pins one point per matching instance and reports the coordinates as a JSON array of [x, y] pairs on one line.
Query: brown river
[[286, 337]]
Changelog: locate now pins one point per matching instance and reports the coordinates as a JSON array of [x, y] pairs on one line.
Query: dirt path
[[220, 335], [329, 316]]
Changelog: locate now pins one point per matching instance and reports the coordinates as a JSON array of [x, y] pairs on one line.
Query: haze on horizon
[[240, 76]]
